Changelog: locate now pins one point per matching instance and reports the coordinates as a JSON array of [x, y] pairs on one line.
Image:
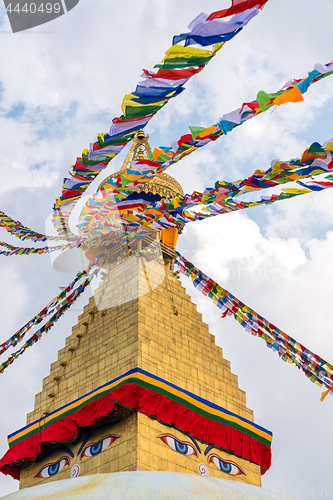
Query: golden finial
[[162, 184], [140, 155]]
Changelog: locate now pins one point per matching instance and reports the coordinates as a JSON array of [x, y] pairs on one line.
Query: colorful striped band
[[148, 381]]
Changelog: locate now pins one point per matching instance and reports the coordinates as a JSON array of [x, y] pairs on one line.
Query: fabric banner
[[141, 391], [65, 305], [53, 306], [105, 213], [290, 350], [13, 250], [56, 308], [151, 94], [237, 6], [17, 229]]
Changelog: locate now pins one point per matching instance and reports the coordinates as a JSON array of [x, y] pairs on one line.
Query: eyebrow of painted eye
[[106, 426], [207, 450], [63, 449], [194, 441]]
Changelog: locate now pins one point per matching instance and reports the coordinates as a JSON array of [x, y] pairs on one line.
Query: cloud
[[12, 291], [62, 84], [17, 176], [292, 289]]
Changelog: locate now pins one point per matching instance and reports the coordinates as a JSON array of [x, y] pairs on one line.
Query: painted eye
[[176, 445], [52, 469], [101, 445], [225, 466]]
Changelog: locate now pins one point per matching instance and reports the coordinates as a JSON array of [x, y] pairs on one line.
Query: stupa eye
[[95, 448], [52, 469], [225, 466], [177, 445]]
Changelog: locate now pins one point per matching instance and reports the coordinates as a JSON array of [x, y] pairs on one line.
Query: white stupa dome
[[144, 485]]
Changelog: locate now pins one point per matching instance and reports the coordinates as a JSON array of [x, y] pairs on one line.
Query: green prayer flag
[[195, 131]]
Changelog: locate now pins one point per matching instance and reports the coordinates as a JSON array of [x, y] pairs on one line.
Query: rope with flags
[[288, 349]]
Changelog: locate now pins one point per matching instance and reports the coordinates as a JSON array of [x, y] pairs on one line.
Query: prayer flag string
[[116, 214], [64, 306], [290, 350], [53, 306], [60, 304], [17, 229], [13, 250], [108, 215], [152, 93]]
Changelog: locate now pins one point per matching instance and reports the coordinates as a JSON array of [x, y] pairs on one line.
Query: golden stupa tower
[[141, 334]]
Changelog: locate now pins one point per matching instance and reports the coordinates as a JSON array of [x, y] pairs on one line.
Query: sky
[[63, 82]]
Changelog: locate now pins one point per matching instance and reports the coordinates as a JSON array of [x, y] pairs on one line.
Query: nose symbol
[[203, 470], [75, 471]]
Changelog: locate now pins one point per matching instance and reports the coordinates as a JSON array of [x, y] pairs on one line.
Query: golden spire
[[140, 155], [162, 184]]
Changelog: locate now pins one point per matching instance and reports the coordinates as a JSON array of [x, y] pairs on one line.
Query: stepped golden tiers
[[140, 384]]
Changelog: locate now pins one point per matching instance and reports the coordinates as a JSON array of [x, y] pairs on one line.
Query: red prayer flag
[[237, 7], [173, 74]]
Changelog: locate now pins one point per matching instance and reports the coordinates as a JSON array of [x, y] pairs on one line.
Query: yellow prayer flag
[[129, 100], [323, 396], [328, 146], [277, 167], [297, 191], [189, 52]]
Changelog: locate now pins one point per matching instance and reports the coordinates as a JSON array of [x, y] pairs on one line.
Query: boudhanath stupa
[[140, 402]]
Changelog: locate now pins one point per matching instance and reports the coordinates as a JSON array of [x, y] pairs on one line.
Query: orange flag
[[292, 95]]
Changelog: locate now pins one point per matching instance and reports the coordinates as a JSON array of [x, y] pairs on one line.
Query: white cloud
[[64, 84], [294, 292], [12, 291], [17, 176]]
